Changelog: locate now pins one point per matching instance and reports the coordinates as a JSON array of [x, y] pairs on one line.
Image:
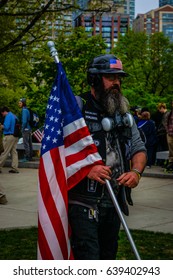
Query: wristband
[[137, 172]]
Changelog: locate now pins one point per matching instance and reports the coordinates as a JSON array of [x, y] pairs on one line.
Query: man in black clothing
[[94, 222]]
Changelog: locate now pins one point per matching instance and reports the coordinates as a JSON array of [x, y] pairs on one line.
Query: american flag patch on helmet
[[115, 63]]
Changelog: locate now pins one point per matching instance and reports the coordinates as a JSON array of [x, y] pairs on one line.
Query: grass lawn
[[21, 244]]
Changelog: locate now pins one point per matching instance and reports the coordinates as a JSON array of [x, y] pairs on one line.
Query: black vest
[[90, 191]]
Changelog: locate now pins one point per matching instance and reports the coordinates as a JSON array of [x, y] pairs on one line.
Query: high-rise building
[[56, 21], [109, 25], [165, 2], [129, 9], [157, 20], [124, 7]]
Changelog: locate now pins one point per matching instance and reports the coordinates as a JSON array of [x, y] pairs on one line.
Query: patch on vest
[[92, 186], [91, 116], [94, 126]]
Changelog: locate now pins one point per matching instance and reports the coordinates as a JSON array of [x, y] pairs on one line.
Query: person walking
[[169, 128], [162, 143], [93, 219], [26, 131], [3, 199], [9, 140], [148, 127], [1, 141], [161, 129]]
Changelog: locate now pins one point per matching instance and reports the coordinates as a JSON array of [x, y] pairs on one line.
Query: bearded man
[[93, 219]]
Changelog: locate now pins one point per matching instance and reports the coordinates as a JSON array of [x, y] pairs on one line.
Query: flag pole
[[53, 51], [115, 202]]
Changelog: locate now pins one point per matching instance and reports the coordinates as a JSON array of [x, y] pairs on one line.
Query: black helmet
[[106, 63], [103, 64]]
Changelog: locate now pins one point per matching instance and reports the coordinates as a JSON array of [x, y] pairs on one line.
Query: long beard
[[112, 100]]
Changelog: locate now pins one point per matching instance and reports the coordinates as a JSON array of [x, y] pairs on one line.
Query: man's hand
[[129, 179], [100, 173]]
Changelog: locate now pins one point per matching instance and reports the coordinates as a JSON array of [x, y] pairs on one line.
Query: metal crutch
[[115, 202]]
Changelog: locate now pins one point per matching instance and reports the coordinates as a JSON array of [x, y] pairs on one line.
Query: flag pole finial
[[53, 51]]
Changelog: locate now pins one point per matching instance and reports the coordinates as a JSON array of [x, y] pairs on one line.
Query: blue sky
[[143, 6]]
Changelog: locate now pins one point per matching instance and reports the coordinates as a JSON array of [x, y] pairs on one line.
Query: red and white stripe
[[38, 134], [60, 170]]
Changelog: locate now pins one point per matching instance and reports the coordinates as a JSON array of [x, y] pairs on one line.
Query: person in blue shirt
[[9, 140], [26, 130]]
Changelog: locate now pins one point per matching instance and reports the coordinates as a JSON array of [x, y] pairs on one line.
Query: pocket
[[77, 211]]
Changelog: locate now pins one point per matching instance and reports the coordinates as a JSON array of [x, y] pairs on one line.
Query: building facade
[[165, 2], [129, 9], [157, 20], [109, 25], [56, 21], [123, 7]]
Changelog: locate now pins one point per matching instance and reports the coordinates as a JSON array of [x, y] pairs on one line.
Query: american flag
[[115, 63], [38, 134], [67, 155]]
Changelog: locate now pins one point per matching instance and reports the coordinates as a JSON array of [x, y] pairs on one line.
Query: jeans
[[151, 154], [27, 142], [94, 238]]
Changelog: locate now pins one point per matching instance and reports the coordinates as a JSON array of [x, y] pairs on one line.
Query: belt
[[7, 134]]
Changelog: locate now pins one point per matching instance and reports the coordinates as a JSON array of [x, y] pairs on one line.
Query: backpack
[[34, 118], [17, 129]]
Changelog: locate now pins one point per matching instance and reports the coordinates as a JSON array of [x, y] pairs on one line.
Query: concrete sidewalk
[[21, 192], [152, 210]]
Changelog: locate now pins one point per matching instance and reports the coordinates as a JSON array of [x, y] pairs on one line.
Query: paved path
[[152, 210], [21, 192], [153, 207]]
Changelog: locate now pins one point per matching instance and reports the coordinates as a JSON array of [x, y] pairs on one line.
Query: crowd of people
[[157, 129]]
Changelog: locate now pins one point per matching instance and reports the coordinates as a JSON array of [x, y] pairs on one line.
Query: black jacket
[[127, 142]]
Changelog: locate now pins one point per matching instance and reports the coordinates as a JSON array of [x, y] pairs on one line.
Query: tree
[[14, 73], [149, 62], [75, 51], [27, 16], [24, 29]]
